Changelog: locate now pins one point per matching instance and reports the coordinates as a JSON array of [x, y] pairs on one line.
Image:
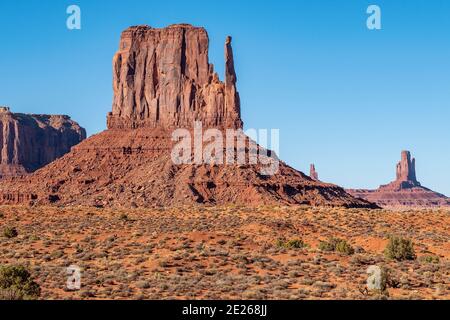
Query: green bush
[[399, 249], [345, 248], [430, 259], [326, 246], [16, 284], [336, 245], [291, 244], [10, 232]]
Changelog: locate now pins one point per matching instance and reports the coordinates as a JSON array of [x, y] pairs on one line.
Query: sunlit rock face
[[29, 141], [163, 78]]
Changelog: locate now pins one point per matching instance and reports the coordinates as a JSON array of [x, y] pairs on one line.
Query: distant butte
[[313, 173], [405, 191]]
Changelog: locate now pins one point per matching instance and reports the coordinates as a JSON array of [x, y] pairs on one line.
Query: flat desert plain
[[226, 253]]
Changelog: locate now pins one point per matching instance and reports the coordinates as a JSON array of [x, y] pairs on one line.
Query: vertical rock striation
[[163, 78], [29, 142]]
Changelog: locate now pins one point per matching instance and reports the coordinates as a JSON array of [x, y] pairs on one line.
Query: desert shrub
[[291, 244], [430, 259], [16, 284], [326, 246], [388, 280], [344, 247], [10, 232], [123, 217], [337, 245], [399, 249]]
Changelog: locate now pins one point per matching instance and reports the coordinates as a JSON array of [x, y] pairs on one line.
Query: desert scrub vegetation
[[123, 217], [10, 232], [16, 284], [213, 253], [291, 244], [399, 249], [430, 259], [336, 245]]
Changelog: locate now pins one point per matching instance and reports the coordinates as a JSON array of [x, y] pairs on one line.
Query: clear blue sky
[[346, 98]]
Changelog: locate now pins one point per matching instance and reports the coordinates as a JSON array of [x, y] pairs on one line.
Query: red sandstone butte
[[30, 141], [405, 191], [163, 80]]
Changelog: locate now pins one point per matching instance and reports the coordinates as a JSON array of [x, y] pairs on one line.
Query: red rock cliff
[[28, 142], [163, 78]]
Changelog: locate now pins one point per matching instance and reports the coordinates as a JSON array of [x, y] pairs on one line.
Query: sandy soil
[[225, 253]]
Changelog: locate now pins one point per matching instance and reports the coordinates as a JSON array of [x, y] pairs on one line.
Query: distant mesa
[[162, 80], [30, 141], [405, 191]]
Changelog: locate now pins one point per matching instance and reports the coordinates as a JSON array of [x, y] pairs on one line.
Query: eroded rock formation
[[313, 173], [405, 190], [406, 173], [29, 142], [163, 80]]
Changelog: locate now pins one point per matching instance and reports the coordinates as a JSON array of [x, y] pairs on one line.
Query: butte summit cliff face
[[163, 80], [29, 142], [405, 191]]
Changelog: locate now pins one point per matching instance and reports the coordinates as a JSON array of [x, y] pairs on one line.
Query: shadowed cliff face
[[163, 78], [29, 142]]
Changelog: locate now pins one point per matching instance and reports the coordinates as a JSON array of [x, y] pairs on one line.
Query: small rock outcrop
[[29, 141], [405, 190], [313, 173], [163, 79]]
